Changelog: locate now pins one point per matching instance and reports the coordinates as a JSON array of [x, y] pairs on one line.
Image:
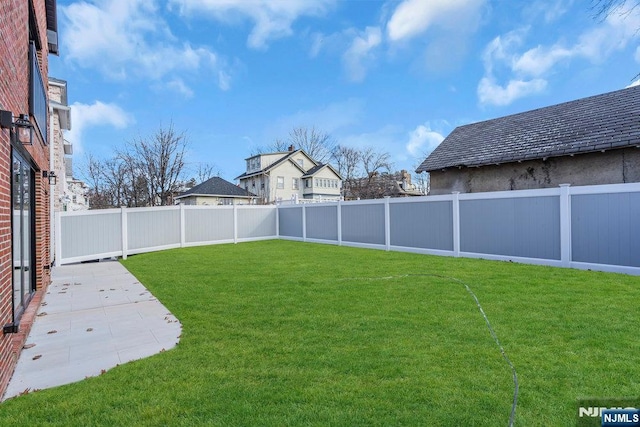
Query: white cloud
[[272, 19], [423, 140], [489, 92], [360, 52], [550, 10], [539, 60], [84, 116], [413, 17], [179, 86], [128, 38], [443, 30], [526, 73]]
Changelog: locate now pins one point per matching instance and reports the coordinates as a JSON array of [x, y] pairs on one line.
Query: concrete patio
[[93, 317]]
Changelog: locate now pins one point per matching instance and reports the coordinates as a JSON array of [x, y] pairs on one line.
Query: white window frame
[[280, 182]]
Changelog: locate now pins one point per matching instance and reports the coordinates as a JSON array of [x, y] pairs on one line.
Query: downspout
[[51, 192]]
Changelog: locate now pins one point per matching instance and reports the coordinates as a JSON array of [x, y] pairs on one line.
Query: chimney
[[291, 147]]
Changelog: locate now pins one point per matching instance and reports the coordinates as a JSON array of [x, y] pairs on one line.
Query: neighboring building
[[381, 185], [589, 141], [290, 176], [76, 195], [216, 191], [60, 120], [29, 35]]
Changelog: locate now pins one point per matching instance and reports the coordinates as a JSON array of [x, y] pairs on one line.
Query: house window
[[280, 182], [308, 182], [300, 162], [294, 183], [38, 106]]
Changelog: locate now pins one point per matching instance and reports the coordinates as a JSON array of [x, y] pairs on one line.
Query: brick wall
[[14, 96]]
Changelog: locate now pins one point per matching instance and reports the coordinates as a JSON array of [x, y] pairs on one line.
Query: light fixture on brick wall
[[20, 125], [53, 178]]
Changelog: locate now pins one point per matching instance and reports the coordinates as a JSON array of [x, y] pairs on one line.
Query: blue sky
[[395, 75]]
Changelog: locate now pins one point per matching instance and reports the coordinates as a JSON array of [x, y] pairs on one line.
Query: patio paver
[[93, 317]]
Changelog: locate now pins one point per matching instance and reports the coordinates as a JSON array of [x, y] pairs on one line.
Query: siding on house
[[289, 176]]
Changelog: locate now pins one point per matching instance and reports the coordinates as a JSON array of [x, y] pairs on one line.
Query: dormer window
[[300, 162], [253, 164]]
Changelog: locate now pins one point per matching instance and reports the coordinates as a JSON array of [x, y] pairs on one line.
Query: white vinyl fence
[[591, 227], [90, 235]]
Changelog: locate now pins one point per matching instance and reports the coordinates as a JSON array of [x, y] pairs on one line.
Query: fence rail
[[591, 227]]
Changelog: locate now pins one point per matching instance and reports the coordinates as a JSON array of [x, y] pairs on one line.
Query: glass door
[[23, 216]]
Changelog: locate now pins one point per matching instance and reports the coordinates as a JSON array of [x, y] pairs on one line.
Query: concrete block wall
[[618, 166]]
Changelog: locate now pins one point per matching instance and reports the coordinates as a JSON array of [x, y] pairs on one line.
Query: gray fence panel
[[363, 223], [208, 225], [256, 222], [524, 227], [290, 222], [153, 228], [425, 225], [90, 234], [605, 228], [322, 222]]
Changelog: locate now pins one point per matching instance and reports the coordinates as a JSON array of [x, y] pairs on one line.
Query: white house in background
[[290, 176], [69, 193]]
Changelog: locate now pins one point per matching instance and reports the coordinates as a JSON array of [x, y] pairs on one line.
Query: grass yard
[[284, 333]]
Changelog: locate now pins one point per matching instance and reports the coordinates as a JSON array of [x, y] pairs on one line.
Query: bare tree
[[160, 159], [316, 143], [205, 171], [145, 172], [346, 160], [365, 172], [604, 8], [319, 145]]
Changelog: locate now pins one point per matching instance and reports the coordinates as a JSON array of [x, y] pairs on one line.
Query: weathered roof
[[596, 123], [216, 186]]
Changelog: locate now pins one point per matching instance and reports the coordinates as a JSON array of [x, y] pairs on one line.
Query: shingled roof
[[596, 123], [217, 186]]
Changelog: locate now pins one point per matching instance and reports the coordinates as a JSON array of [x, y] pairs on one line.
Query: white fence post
[[339, 222], [58, 240], [456, 223], [565, 225], [235, 223], [182, 226], [123, 216], [278, 221], [304, 222], [387, 224]]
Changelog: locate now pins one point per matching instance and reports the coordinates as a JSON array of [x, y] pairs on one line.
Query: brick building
[[28, 34]]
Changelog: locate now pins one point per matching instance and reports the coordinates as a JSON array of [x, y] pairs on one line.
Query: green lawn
[[285, 333]]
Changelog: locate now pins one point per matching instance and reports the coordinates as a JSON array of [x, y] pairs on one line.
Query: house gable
[[218, 187]]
